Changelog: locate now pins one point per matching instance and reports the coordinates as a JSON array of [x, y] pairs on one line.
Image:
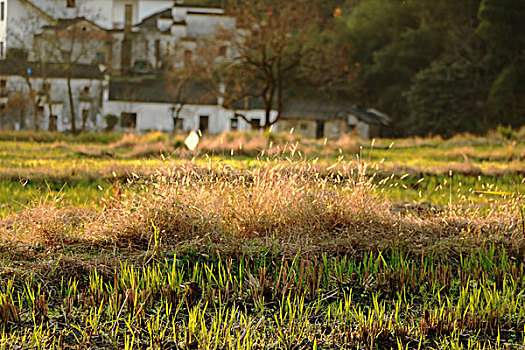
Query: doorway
[[125, 59], [204, 121], [319, 129]]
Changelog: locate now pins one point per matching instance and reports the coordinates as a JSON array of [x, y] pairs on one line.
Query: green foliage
[[443, 100], [503, 88], [111, 121], [507, 132], [403, 55], [503, 29]]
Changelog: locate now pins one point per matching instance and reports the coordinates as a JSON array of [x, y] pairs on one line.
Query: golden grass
[[285, 207]]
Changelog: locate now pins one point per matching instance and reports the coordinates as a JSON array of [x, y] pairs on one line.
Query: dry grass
[[288, 207]]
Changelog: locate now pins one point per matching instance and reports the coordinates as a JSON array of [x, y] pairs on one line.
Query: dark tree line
[[438, 66]]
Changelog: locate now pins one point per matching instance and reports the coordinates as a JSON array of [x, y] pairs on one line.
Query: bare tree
[[21, 55], [69, 42], [189, 74], [277, 44]]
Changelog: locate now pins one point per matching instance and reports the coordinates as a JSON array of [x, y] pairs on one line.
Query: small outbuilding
[[331, 120]]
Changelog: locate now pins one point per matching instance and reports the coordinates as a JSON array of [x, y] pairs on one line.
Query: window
[[3, 107], [85, 117], [255, 123], [53, 121], [128, 120], [46, 87], [222, 50], [234, 124], [157, 49], [86, 89], [3, 88], [2, 11], [187, 55], [128, 16], [177, 123], [100, 57], [71, 4], [1, 50], [304, 126]]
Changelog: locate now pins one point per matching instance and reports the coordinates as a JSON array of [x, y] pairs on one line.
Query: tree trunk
[[71, 106], [33, 100]]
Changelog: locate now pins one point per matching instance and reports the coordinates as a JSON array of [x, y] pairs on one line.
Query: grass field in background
[[426, 170]]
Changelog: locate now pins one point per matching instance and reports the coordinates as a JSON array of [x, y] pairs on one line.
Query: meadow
[[261, 242]]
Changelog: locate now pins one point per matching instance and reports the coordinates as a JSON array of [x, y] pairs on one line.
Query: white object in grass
[[192, 141]]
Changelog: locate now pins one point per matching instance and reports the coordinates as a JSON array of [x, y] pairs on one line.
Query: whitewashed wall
[[205, 25], [59, 96], [159, 116], [98, 11], [20, 23], [150, 7], [361, 127]]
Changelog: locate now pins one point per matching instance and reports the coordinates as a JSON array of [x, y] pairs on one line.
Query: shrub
[[506, 132], [111, 121]]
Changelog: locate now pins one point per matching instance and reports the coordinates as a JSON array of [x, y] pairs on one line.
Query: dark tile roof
[[50, 70], [328, 111], [62, 23], [157, 90], [248, 103], [197, 6], [206, 13], [371, 116], [314, 110]]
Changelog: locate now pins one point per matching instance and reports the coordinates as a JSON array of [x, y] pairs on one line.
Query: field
[[261, 242]]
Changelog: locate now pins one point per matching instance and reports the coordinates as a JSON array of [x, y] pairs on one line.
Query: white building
[[48, 107], [147, 105], [21, 19]]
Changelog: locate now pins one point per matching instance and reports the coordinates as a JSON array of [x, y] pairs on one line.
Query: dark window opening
[[304, 126], [100, 57], [127, 49], [255, 123], [3, 107], [157, 50], [177, 123], [2, 11], [85, 117], [234, 124], [86, 89], [45, 88], [53, 121], [223, 50], [3, 88], [128, 16], [71, 4], [128, 120], [204, 121], [187, 56]]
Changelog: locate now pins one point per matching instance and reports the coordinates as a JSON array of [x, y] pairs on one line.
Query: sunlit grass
[[283, 245]]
